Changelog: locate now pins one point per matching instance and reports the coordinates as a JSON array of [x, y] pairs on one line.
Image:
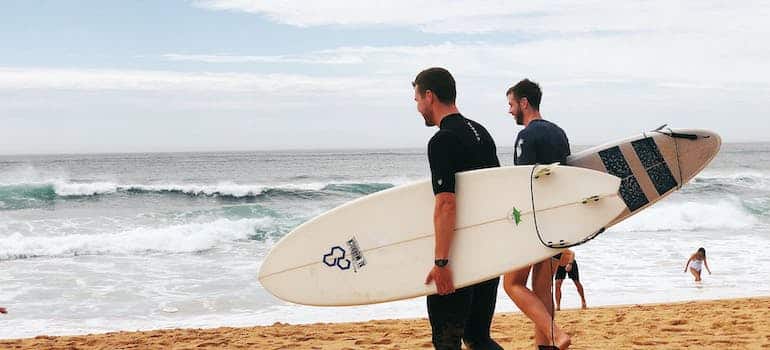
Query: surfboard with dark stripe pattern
[[651, 165]]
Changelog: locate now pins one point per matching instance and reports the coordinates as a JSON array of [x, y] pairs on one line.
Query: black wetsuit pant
[[465, 314]]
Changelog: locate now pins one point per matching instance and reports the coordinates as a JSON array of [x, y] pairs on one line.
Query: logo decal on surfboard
[[355, 252], [336, 257], [516, 216]]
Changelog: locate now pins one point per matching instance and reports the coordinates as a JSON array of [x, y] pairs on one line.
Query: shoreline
[[725, 324]]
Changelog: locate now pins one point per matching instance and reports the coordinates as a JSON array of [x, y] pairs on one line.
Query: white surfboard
[[380, 247]]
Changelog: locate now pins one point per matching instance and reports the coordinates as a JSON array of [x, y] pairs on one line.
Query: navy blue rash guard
[[541, 142]]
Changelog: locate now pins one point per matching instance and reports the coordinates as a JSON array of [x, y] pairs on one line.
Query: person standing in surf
[[568, 267], [696, 263], [540, 142], [460, 144]]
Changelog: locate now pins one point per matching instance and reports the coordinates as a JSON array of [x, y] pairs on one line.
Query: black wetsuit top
[[541, 142], [460, 144]]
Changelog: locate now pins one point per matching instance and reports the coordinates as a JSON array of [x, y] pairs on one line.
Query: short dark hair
[[530, 90], [439, 81]]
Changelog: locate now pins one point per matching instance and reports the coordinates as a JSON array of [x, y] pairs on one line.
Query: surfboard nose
[[716, 140], [698, 151]]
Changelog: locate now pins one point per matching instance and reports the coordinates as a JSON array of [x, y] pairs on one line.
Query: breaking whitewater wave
[[180, 238], [20, 196], [728, 183], [695, 216]]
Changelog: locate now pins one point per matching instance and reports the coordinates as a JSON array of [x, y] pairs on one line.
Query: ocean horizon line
[[405, 149]]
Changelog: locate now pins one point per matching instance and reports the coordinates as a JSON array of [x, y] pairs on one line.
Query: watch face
[[441, 262]]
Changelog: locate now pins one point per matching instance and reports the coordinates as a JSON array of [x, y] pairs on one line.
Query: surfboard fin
[[560, 244], [564, 244], [544, 170]]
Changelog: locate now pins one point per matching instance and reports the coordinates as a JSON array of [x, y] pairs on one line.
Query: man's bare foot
[[584, 306], [563, 340], [558, 308]]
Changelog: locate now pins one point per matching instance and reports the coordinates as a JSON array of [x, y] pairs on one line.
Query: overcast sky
[[207, 75]]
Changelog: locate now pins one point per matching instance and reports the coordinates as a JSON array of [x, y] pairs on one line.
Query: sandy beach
[[719, 324]]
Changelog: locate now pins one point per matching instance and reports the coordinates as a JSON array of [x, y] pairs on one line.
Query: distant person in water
[[696, 263], [568, 267], [3, 310]]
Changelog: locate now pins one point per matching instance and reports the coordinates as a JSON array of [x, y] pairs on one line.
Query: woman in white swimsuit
[[696, 263]]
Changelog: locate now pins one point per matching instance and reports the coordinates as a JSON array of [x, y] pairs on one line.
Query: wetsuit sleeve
[[442, 149], [494, 152], [528, 154]]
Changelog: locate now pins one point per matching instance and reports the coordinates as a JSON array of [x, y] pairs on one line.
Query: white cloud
[[696, 43], [455, 16], [171, 81], [562, 16], [607, 68], [321, 57], [686, 60], [395, 12]]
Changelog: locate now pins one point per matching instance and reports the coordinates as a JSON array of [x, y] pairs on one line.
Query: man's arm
[[444, 216], [442, 150], [444, 224]]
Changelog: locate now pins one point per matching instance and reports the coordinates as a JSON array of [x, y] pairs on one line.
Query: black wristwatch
[[441, 262]]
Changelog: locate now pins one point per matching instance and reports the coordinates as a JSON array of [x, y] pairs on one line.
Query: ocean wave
[[693, 216], [79, 189], [180, 238], [737, 183], [25, 195], [738, 177], [359, 188]]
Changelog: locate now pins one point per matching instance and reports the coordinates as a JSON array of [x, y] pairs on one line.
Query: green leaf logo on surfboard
[[516, 216]]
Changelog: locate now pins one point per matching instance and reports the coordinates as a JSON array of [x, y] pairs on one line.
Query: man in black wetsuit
[[540, 142], [460, 144]]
